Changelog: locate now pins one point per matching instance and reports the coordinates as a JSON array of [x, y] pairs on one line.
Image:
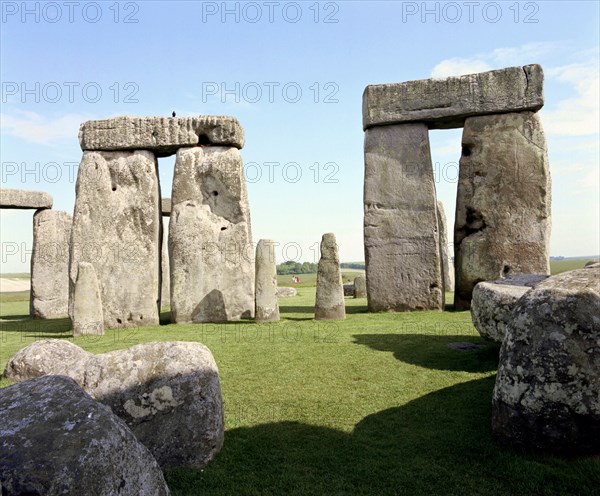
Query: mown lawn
[[376, 404]]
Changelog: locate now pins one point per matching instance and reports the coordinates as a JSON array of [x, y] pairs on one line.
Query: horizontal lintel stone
[[24, 199], [446, 103], [160, 135]]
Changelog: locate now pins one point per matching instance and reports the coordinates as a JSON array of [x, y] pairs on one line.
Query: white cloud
[[459, 67], [35, 128]]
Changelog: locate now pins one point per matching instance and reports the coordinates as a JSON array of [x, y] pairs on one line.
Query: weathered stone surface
[[592, 263], [23, 199], [286, 292], [161, 135], [447, 265], [165, 270], [503, 202], [267, 307], [166, 207], [330, 293], [445, 103], [87, 304], [50, 264], [402, 256], [494, 301], [210, 241], [348, 289], [116, 227], [360, 287], [56, 440], [168, 393], [547, 394]]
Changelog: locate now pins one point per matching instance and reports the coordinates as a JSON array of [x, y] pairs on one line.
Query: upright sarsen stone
[[267, 306], [402, 250], [210, 241], [502, 221], [330, 292], [87, 303], [447, 265], [50, 264], [116, 227]]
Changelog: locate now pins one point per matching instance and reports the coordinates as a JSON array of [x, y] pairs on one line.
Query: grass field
[[376, 404]]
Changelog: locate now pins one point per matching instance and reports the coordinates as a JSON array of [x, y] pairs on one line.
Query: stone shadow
[[432, 351]]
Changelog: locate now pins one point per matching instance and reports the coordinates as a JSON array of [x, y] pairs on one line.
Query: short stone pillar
[[266, 305], [87, 303], [402, 252], [503, 203], [330, 292], [360, 287]]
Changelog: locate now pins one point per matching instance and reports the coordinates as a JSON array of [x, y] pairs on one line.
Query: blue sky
[[293, 73]]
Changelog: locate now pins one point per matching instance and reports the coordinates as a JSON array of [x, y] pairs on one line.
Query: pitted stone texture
[[116, 227], [547, 394], [503, 202], [87, 304], [23, 199], [161, 135], [50, 264], [360, 287], [168, 393], [447, 265], [330, 292], [445, 103], [210, 241], [56, 440], [166, 207], [494, 301], [402, 252], [267, 307]]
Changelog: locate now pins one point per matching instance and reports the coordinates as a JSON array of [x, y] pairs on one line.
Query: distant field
[[16, 275], [558, 266], [308, 280]]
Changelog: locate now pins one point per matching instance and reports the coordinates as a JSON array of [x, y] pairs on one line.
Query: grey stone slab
[[24, 199]]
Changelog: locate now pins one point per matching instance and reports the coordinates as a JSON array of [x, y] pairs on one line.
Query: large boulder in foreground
[[547, 394], [494, 301], [56, 440], [168, 393]]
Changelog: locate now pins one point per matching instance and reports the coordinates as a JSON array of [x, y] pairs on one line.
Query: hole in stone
[[215, 193], [506, 270], [119, 321], [114, 188], [203, 140], [466, 150], [223, 228], [141, 317], [433, 286]]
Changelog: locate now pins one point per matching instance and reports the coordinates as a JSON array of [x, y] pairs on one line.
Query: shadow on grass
[[433, 352], [437, 444], [39, 329], [353, 309]]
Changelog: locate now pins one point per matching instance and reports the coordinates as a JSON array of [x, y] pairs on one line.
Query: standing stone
[[56, 440], [87, 304], [210, 242], [360, 287], [402, 250], [503, 204], [330, 291], [50, 264], [165, 289], [448, 275], [267, 307], [116, 227], [547, 393]]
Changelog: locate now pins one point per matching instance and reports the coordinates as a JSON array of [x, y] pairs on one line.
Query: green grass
[[558, 266], [310, 280], [16, 275], [376, 404]]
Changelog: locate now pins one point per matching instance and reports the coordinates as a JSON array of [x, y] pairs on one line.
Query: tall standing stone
[[503, 204], [116, 227], [330, 291], [447, 274], [210, 241], [402, 250], [165, 289], [87, 303], [266, 304], [50, 264]]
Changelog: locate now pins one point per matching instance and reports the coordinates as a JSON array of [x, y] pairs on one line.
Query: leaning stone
[[445, 103], [402, 252], [50, 264], [116, 227], [23, 199], [494, 301], [267, 307], [503, 203], [286, 292], [168, 393], [330, 293], [161, 135], [447, 265], [87, 304], [56, 440], [360, 287], [210, 241], [547, 394]]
